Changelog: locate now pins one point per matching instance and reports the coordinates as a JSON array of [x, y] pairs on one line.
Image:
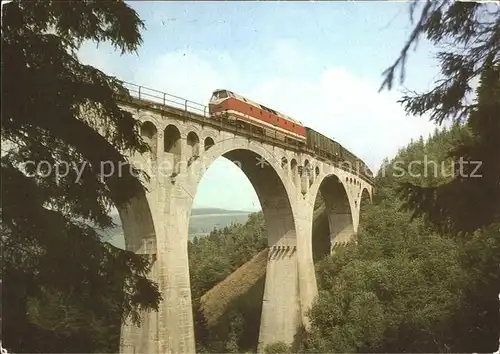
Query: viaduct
[[184, 142]]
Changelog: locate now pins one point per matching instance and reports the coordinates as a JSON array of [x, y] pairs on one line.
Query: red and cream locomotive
[[258, 119], [244, 113]]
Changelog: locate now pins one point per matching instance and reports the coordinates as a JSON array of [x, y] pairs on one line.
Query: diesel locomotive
[[258, 119]]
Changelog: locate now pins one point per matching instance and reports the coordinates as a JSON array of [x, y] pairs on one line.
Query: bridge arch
[[148, 129], [281, 307], [192, 128], [284, 163], [193, 142], [287, 210], [335, 226], [172, 140], [261, 166], [294, 170], [365, 197], [308, 173], [140, 236], [149, 133], [208, 143]]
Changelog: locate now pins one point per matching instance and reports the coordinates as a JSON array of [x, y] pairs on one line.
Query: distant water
[[201, 223]]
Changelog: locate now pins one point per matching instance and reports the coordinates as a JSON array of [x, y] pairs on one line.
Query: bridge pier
[[143, 338], [341, 228], [280, 317], [140, 237], [170, 329], [175, 317], [307, 276], [157, 225]]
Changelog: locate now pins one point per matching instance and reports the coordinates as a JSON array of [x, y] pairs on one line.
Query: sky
[[319, 62]]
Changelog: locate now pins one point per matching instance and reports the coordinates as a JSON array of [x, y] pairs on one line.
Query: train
[[245, 114]]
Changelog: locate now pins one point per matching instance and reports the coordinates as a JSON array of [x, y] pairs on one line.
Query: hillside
[[216, 211], [219, 300], [203, 224]]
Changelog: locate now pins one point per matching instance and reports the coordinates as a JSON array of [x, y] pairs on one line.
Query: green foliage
[[214, 257], [471, 199], [211, 260], [468, 35], [410, 283], [403, 287], [57, 110], [477, 324], [398, 283], [277, 348]]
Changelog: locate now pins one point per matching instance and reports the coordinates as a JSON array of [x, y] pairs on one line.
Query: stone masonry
[[156, 223]]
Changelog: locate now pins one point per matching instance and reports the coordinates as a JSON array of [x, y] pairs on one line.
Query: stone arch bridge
[[184, 142]]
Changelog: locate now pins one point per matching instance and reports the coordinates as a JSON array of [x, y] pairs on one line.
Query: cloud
[[184, 74], [347, 108], [337, 102], [286, 58], [107, 59]]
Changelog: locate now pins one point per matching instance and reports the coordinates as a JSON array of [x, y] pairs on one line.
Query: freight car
[[333, 151], [350, 158], [322, 145], [248, 115], [259, 119]]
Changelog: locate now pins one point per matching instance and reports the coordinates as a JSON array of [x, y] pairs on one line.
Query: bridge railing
[[149, 94], [201, 113]]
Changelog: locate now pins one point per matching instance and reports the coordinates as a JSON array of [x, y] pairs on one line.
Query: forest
[[421, 274], [404, 286]]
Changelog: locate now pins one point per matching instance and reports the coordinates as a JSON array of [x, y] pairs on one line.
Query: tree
[[404, 287], [392, 292], [58, 112], [472, 199], [233, 323], [469, 35], [277, 348]]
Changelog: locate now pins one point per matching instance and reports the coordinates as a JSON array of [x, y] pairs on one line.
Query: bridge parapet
[[162, 102], [165, 99], [287, 179]]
